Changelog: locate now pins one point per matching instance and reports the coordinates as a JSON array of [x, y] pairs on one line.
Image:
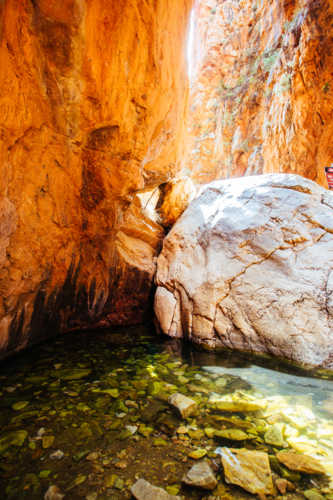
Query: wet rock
[[142, 490], [155, 388], [197, 454], [47, 441], [20, 405], [200, 475], [248, 469], [166, 426], [196, 434], [233, 434], [81, 455], [57, 455], [196, 388], [281, 485], [14, 438], [182, 405], [54, 493], [126, 433], [159, 442], [274, 435], [75, 374], [150, 414], [313, 495], [74, 482], [44, 474], [92, 456], [301, 463], [237, 406]]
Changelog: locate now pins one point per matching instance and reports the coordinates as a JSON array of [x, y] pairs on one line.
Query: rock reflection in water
[[89, 414]]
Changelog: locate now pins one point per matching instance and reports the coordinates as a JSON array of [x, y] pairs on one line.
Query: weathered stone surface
[[301, 463], [248, 266], [254, 103], [248, 469], [93, 113], [182, 405], [202, 476], [142, 490]]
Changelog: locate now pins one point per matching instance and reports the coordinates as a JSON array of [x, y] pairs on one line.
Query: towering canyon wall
[[262, 88], [93, 111]]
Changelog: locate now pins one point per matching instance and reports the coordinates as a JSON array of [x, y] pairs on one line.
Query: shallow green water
[[91, 392]]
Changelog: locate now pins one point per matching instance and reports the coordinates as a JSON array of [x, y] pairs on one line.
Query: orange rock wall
[[93, 109], [261, 91]]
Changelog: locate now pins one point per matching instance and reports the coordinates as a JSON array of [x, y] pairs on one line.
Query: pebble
[[57, 455], [54, 493]]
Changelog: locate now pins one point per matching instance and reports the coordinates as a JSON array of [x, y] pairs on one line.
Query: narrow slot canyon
[[166, 250]]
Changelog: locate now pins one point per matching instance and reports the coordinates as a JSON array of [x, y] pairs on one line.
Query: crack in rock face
[[248, 266]]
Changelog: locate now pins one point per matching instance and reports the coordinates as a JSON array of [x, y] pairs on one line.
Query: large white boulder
[[248, 266]]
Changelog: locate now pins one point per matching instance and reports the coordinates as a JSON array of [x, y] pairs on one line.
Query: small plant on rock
[[326, 87]]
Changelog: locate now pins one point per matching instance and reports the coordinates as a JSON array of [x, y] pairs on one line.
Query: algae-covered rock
[[159, 442], [155, 388], [74, 482], [150, 414], [197, 454], [80, 455], [126, 433], [233, 434], [14, 438], [114, 393], [237, 406], [47, 441], [274, 435], [74, 374], [196, 434], [20, 405], [248, 469], [313, 495]]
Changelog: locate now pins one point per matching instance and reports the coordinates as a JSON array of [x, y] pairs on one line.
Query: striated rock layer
[[261, 89], [249, 266], [93, 108]]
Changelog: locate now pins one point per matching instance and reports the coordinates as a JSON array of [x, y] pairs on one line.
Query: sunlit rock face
[[261, 89], [93, 110], [249, 266]]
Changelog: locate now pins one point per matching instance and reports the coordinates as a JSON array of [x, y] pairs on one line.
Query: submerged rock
[[182, 405], [274, 435], [67, 375], [54, 493], [248, 469], [142, 490], [202, 476], [263, 249], [301, 463]]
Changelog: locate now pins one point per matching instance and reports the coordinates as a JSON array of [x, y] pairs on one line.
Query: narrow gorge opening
[[166, 250]]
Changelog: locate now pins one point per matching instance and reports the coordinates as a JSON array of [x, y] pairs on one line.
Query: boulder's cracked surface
[[93, 110], [249, 266]]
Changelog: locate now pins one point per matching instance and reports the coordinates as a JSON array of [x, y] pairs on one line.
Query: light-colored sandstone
[[202, 476], [182, 405], [142, 490], [249, 266]]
